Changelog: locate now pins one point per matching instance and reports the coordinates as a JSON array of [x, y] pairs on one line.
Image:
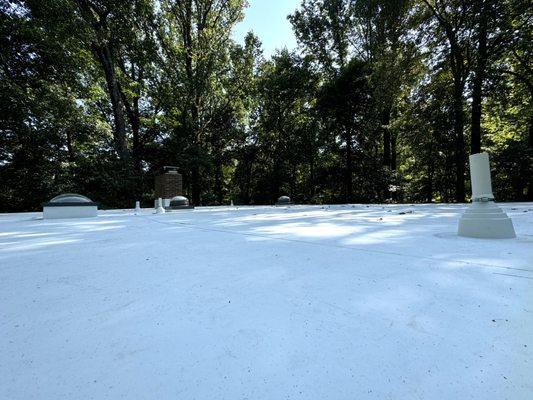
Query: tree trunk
[[275, 178], [248, 186], [385, 119], [530, 136], [134, 117], [195, 177], [293, 180], [196, 144], [429, 196], [191, 117], [348, 179], [459, 140], [312, 186], [274, 193], [529, 182], [459, 69], [393, 157], [218, 175], [459, 76], [70, 147], [431, 171], [477, 84], [105, 57], [96, 15]]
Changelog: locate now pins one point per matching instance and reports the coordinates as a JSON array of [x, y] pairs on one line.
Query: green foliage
[[96, 96]]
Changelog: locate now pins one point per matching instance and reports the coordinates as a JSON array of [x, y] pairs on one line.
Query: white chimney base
[[485, 220]]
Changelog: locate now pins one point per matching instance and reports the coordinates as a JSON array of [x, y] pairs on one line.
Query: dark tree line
[[382, 101]]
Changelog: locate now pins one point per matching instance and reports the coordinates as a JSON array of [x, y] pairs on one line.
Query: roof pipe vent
[[284, 201], [483, 218]]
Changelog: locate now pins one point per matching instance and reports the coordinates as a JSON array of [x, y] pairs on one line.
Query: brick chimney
[[169, 184]]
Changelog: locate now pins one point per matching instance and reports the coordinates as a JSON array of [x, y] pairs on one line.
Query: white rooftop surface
[[341, 302]]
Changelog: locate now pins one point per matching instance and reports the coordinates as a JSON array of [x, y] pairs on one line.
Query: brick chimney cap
[[170, 169]]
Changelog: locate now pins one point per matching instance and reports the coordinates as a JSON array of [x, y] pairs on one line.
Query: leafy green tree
[[454, 31], [344, 104], [286, 89], [372, 108], [324, 28], [383, 41], [195, 37]]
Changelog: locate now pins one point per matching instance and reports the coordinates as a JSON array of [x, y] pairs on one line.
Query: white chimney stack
[[483, 218], [137, 207]]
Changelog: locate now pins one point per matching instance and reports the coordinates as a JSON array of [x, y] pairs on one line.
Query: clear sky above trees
[[268, 20]]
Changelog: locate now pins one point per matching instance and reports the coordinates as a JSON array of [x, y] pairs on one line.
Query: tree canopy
[[382, 101]]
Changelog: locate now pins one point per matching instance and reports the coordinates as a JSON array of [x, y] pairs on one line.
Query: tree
[[453, 19], [100, 20], [195, 35], [344, 103], [40, 121], [286, 89], [383, 41], [324, 29], [371, 109], [494, 34]]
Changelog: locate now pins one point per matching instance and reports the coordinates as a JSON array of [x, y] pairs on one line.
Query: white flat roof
[[341, 302]]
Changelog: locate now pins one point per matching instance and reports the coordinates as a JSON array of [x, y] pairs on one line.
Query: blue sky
[[268, 20]]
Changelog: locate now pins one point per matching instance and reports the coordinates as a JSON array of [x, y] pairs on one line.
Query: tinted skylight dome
[[70, 205], [70, 198]]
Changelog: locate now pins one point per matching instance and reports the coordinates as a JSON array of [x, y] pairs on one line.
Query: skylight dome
[[70, 205], [70, 198]]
